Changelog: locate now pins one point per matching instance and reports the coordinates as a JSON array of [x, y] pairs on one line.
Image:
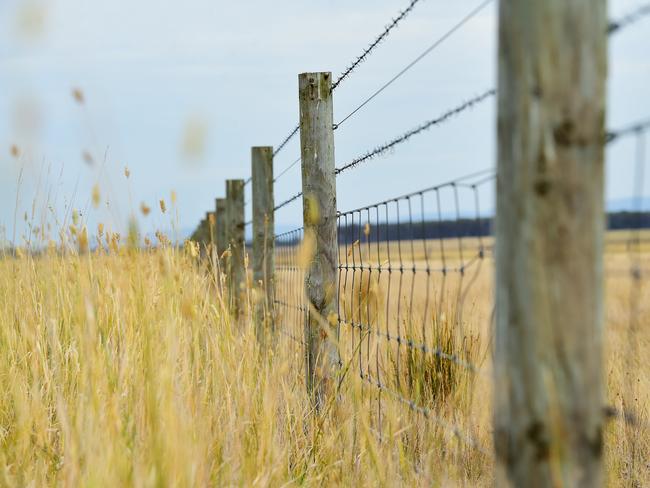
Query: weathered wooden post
[[549, 243], [220, 232], [235, 231], [319, 216], [263, 239], [209, 224]]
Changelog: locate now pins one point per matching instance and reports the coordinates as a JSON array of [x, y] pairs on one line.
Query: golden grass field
[[125, 369]]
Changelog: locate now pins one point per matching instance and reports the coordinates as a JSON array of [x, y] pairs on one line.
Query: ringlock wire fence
[[411, 294]]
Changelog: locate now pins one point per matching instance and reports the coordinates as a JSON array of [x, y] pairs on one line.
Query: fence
[[398, 291]]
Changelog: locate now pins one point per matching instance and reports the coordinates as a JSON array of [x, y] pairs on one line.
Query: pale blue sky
[[152, 70]]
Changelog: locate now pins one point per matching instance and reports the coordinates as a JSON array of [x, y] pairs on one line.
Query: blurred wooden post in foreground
[[235, 235], [320, 241], [220, 233], [549, 243], [263, 240]]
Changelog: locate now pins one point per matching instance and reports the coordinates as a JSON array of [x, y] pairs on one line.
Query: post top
[[314, 74]]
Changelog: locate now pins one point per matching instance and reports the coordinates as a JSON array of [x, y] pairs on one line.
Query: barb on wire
[[427, 125], [629, 130], [629, 19], [287, 202], [286, 140], [246, 182], [366, 52], [286, 169], [428, 414], [428, 50]]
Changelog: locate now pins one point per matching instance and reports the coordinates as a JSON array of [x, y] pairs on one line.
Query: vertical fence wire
[[290, 302]]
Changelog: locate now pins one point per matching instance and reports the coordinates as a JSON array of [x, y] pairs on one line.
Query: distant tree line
[[444, 229]]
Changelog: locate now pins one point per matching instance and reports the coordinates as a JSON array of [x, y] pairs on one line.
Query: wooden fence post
[[263, 239], [209, 224], [235, 230], [220, 232], [549, 243], [319, 216]]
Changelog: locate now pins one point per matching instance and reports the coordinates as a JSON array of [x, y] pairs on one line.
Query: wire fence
[[415, 293], [407, 266]]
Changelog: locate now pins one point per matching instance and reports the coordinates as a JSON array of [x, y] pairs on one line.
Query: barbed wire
[[427, 51], [629, 130], [366, 52], [629, 19], [428, 414], [287, 202], [423, 127]]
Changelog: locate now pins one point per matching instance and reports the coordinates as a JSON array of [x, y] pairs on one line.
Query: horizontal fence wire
[[406, 272], [285, 170], [631, 129], [406, 269], [380, 150], [286, 140], [287, 202], [290, 302], [373, 45], [429, 415], [629, 19]]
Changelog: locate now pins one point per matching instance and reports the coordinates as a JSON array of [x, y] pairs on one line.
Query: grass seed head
[[96, 196]]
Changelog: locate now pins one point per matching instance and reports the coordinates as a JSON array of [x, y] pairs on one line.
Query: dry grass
[[125, 369]]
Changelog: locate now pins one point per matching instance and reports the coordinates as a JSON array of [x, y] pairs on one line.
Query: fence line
[[412, 270]]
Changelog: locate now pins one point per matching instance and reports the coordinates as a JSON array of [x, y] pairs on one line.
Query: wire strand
[[629, 19], [286, 140], [367, 51], [629, 130], [287, 202], [421, 128], [428, 50], [283, 172]]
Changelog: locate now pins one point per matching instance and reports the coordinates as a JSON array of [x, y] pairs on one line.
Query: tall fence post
[[549, 243], [220, 232], [319, 216], [263, 239], [235, 231]]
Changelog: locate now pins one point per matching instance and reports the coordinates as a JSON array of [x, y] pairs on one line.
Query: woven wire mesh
[[406, 272], [407, 267], [290, 305]]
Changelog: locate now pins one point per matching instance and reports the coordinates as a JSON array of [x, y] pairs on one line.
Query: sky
[[178, 92]]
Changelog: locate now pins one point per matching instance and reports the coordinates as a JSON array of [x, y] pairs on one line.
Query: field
[[125, 368]]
